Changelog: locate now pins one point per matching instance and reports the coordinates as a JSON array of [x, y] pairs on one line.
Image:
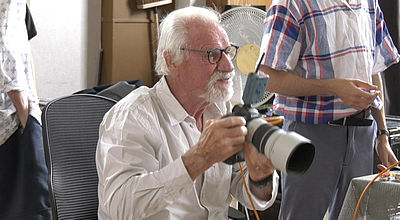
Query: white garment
[[141, 173], [15, 69]]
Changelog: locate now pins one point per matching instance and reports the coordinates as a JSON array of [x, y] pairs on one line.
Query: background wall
[[67, 47]]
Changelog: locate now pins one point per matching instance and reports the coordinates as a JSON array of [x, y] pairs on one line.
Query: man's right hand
[[220, 139], [351, 91], [354, 92], [20, 101]]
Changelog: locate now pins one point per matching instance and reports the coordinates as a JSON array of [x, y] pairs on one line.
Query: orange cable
[[247, 191], [369, 184]]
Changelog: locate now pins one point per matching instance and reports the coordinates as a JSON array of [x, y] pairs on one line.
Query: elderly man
[[161, 150]]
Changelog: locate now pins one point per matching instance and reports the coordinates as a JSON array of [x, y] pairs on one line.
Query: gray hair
[[173, 34]]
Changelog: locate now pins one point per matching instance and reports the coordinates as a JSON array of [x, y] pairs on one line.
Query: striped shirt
[[323, 39]]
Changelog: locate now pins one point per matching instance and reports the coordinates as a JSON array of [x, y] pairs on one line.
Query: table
[[380, 202]]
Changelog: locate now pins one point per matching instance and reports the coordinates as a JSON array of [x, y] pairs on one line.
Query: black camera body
[[248, 113]]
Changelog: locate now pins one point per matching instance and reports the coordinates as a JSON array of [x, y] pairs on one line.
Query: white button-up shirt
[[141, 173]]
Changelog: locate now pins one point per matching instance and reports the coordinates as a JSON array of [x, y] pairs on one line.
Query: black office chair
[[70, 134]]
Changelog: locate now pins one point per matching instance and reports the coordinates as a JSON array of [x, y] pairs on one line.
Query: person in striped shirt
[[324, 60]]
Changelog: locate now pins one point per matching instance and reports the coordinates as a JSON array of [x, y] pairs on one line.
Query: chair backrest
[[70, 134]]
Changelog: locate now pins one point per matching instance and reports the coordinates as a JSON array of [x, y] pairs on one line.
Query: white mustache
[[222, 75], [215, 94]]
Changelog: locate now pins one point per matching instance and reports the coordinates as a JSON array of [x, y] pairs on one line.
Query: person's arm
[[256, 167], [259, 168], [220, 139], [382, 146], [349, 90], [20, 102], [263, 195], [13, 79]]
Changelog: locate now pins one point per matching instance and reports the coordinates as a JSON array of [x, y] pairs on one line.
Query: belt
[[357, 119]]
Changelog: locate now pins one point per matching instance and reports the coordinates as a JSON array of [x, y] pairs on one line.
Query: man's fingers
[[364, 85], [381, 167], [224, 137], [233, 121], [209, 122], [228, 127]]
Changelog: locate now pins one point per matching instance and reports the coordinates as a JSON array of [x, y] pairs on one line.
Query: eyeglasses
[[215, 54]]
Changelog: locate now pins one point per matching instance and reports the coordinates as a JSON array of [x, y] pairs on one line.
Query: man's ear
[[168, 57]]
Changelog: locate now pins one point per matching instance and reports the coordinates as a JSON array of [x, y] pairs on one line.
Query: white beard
[[216, 92]]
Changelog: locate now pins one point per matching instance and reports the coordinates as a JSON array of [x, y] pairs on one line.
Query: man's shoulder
[[286, 3], [135, 109], [139, 97], [138, 93], [295, 8]]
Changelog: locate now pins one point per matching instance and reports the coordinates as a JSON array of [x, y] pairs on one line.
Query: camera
[[289, 152]]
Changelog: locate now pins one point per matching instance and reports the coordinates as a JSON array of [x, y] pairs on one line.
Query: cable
[[369, 184], [247, 191]]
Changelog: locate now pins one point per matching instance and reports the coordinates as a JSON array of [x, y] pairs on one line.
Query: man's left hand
[[384, 150], [258, 166]]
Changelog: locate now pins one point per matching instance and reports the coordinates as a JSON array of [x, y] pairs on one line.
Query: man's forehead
[[207, 35]]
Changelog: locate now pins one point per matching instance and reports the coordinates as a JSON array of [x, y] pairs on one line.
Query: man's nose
[[225, 64]]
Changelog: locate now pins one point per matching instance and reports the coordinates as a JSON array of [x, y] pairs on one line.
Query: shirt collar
[[175, 112]]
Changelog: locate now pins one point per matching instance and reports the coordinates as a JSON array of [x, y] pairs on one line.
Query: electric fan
[[244, 26]]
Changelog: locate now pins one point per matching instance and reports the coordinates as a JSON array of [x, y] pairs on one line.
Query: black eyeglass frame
[[208, 52]]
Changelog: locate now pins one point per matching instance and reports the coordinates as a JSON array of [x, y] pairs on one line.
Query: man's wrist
[[262, 183], [382, 132]]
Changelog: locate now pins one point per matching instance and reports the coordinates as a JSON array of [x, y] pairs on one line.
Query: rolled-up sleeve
[[281, 41], [386, 52], [11, 68]]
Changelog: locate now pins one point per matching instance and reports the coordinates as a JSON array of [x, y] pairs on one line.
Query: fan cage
[[244, 25]]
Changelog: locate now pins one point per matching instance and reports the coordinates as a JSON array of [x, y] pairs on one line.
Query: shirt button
[[191, 125], [182, 191]]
